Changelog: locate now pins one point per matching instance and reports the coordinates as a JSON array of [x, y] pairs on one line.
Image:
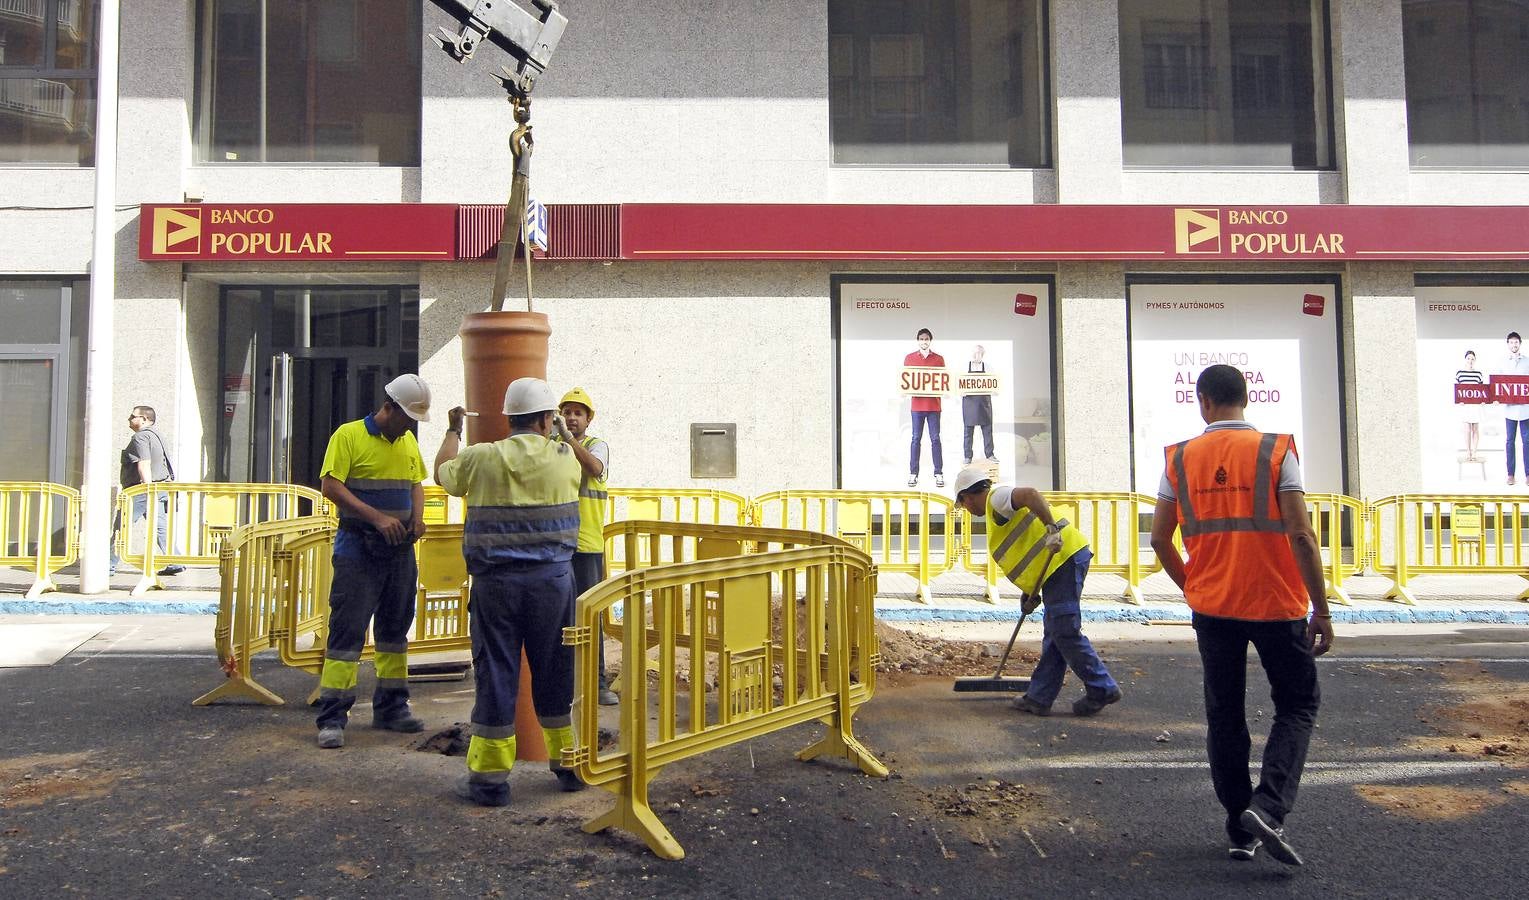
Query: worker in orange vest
[[1254, 568]]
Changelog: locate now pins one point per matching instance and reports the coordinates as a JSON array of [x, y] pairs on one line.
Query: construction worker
[[521, 531], [373, 474], [1235, 494], [594, 456], [1047, 559]]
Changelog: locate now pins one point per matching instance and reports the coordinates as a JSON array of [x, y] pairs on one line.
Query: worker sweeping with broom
[[1034, 549]]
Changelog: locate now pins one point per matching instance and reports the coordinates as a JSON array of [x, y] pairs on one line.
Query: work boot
[[331, 738], [568, 780], [607, 696], [1090, 703], [1023, 703], [171, 570], [405, 722], [1259, 824], [482, 794]]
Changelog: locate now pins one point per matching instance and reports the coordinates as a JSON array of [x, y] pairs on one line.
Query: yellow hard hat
[[580, 396]]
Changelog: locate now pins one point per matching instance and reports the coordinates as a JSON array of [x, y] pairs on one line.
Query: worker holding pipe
[[594, 455], [519, 538]]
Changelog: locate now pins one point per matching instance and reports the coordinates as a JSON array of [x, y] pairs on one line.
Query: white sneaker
[[912, 481], [939, 481]]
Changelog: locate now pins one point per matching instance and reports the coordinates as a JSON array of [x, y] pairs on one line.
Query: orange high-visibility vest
[[1240, 563]]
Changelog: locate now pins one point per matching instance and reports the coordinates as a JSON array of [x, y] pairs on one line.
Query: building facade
[[1084, 201]]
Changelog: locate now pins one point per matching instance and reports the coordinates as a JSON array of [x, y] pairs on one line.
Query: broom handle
[[1023, 616]]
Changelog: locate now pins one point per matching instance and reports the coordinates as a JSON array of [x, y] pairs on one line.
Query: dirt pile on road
[[992, 801], [915, 654]]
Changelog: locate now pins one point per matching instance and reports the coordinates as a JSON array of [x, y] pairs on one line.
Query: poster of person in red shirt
[[926, 412], [908, 366]]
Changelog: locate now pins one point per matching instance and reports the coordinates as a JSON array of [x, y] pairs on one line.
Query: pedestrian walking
[[1036, 551], [145, 460], [594, 455], [373, 474], [1254, 569], [521, 532]]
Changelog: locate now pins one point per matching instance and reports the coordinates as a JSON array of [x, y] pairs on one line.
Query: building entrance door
[[298, 363]]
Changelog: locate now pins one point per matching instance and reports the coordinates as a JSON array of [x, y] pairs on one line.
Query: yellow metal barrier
[[1112, 523], [201, 517], [1441, 534], [39, 529], [276, 578], [804, 612], [898, 529], [251, 601], [699, 505]]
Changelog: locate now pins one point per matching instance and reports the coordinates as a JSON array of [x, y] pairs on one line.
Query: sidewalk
[[957, 597]]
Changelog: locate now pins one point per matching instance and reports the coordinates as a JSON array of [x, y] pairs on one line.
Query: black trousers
[[588, 571], [1292, 674]]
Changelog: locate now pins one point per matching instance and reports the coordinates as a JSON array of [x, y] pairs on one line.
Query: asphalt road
[[112, 783]]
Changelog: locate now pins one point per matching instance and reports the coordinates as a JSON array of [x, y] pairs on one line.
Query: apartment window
[[48, 82], [934, 82], [1225, 83], [1467, 87], [309, 81]]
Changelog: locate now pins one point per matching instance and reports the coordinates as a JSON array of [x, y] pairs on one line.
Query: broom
[[999, 682]]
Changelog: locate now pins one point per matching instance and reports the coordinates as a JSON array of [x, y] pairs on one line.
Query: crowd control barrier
[[1112, 523], [1442, 534], [1339, 522], [804, 610], [911, 532], [201, 516], [39, 529], [699, 505], [275, 595]]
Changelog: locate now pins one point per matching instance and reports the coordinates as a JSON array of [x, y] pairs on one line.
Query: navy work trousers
[[515, 607], [1292, 673], [367, 587]]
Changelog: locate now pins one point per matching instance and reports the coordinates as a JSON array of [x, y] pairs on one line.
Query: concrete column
[[1380, 375], [100, 471], [1094, 384], [1085, 76], [1370, 106]]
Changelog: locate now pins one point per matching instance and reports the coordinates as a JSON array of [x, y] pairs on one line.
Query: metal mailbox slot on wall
[[714, 450]]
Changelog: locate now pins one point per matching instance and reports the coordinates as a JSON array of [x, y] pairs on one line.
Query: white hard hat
[[969, 476], [528, 395], [412, 396]]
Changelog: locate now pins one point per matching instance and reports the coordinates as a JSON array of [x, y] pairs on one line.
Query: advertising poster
[[1284, 337], [1473, 388], [979, 382]]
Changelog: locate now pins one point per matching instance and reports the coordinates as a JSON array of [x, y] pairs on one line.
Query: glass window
[[42, 386], [47, 82], [30, 312], [1225, 83], [327, 81], [923, 82], [1467, 88]]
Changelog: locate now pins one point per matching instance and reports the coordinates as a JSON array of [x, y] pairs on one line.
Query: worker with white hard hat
[[519, 538], [1047, 558], [373, 474], [594, 454]]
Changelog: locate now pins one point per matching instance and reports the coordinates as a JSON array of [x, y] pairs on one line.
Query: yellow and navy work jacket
[[1017, 544], [381, 473], [522, 501], [592, 494]]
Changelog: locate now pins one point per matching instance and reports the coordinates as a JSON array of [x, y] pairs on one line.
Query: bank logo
[[1197, 231], [178, 230]]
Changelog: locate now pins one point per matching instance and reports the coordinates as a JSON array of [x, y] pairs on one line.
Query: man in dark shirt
[[146, 460]]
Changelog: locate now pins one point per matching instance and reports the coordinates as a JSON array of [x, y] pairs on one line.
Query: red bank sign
[[292, 231]]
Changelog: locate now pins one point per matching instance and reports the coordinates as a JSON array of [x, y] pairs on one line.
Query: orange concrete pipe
[[497, 348]]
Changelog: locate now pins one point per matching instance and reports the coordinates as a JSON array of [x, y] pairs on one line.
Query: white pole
[[100, 418]]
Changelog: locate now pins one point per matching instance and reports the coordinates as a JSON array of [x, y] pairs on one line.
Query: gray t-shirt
[[1289, 470], [146, 444]]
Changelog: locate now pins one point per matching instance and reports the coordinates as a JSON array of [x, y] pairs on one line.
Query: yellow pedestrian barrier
[[1441, 534], [1339, 522], [252, 601], [39, 529], [699, 505], [201, 516], [823, 647], [1110, 521], [911, 532]]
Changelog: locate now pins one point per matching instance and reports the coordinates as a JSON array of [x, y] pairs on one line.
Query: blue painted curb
[[129, 607]]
